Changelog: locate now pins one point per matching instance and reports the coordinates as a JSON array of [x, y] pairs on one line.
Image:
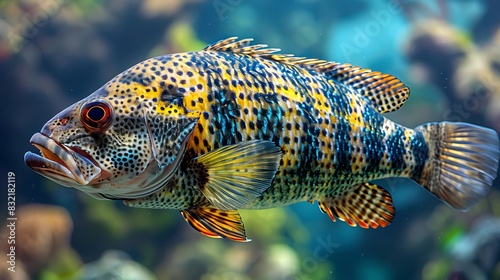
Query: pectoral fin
[[368, 205], [234, 175], [215, 223]]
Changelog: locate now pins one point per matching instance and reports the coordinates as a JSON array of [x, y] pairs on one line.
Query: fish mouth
[[68, 166]]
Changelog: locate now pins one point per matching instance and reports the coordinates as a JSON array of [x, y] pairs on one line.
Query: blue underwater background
[[56, 52]]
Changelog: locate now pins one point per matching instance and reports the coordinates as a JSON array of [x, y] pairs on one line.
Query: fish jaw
[[64, 165]]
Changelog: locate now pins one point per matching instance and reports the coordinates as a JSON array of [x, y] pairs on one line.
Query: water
[[53, 53]]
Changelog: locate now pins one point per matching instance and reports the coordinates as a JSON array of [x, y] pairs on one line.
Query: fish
[[238, 125]]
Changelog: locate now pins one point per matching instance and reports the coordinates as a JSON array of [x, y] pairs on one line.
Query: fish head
[[117, 143]]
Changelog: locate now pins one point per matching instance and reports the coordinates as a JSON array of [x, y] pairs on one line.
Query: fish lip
[[59, 162]]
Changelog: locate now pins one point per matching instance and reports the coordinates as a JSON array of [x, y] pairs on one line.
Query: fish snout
[[46, 130], [60, 122]]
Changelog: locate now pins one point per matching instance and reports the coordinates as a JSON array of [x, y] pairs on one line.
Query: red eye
[[97, 115]]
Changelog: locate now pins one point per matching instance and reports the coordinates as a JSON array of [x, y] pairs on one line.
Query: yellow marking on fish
[[146, 92], [355, 118], [321, 100], [389, 127], [409, 156], [293, 94], [409, 133]]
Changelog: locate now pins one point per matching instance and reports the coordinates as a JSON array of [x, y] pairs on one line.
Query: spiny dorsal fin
[[242, 46], [385, 92], [215, 223], [233, 176], [366, 204]]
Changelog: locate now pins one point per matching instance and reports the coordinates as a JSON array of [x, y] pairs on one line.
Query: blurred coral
[[438, 47], [215, 259], [467, 245], [169, 7], [269, 257], [478, 80], [41, 232], [115, 265], [467, 72], [18, 274]]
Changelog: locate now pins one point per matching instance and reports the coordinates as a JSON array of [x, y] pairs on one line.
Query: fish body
[[330, 137], [237, 126]]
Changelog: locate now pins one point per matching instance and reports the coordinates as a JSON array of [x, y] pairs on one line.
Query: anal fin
[[366, 205], [215, 223]]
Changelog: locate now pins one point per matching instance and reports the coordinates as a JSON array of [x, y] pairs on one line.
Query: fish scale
[[236, 126], [304, 176]]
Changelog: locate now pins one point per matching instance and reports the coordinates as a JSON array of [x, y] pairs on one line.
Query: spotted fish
[[238, 126]]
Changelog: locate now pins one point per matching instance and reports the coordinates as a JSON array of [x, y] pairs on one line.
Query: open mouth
[[65, 165]]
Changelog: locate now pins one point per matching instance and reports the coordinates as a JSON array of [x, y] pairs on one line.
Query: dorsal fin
[[385, 92], [242, 46]]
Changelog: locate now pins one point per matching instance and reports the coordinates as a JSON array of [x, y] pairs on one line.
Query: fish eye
[[97, 115]]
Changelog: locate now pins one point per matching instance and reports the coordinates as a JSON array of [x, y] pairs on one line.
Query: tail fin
[[462, 163]]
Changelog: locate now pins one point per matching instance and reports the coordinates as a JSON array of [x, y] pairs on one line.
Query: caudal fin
[[462, 163]]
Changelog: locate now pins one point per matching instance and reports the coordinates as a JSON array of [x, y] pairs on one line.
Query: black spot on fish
[[239, 136], [165, 96]]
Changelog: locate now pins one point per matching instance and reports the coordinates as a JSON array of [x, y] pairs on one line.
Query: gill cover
[[167, 136]]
